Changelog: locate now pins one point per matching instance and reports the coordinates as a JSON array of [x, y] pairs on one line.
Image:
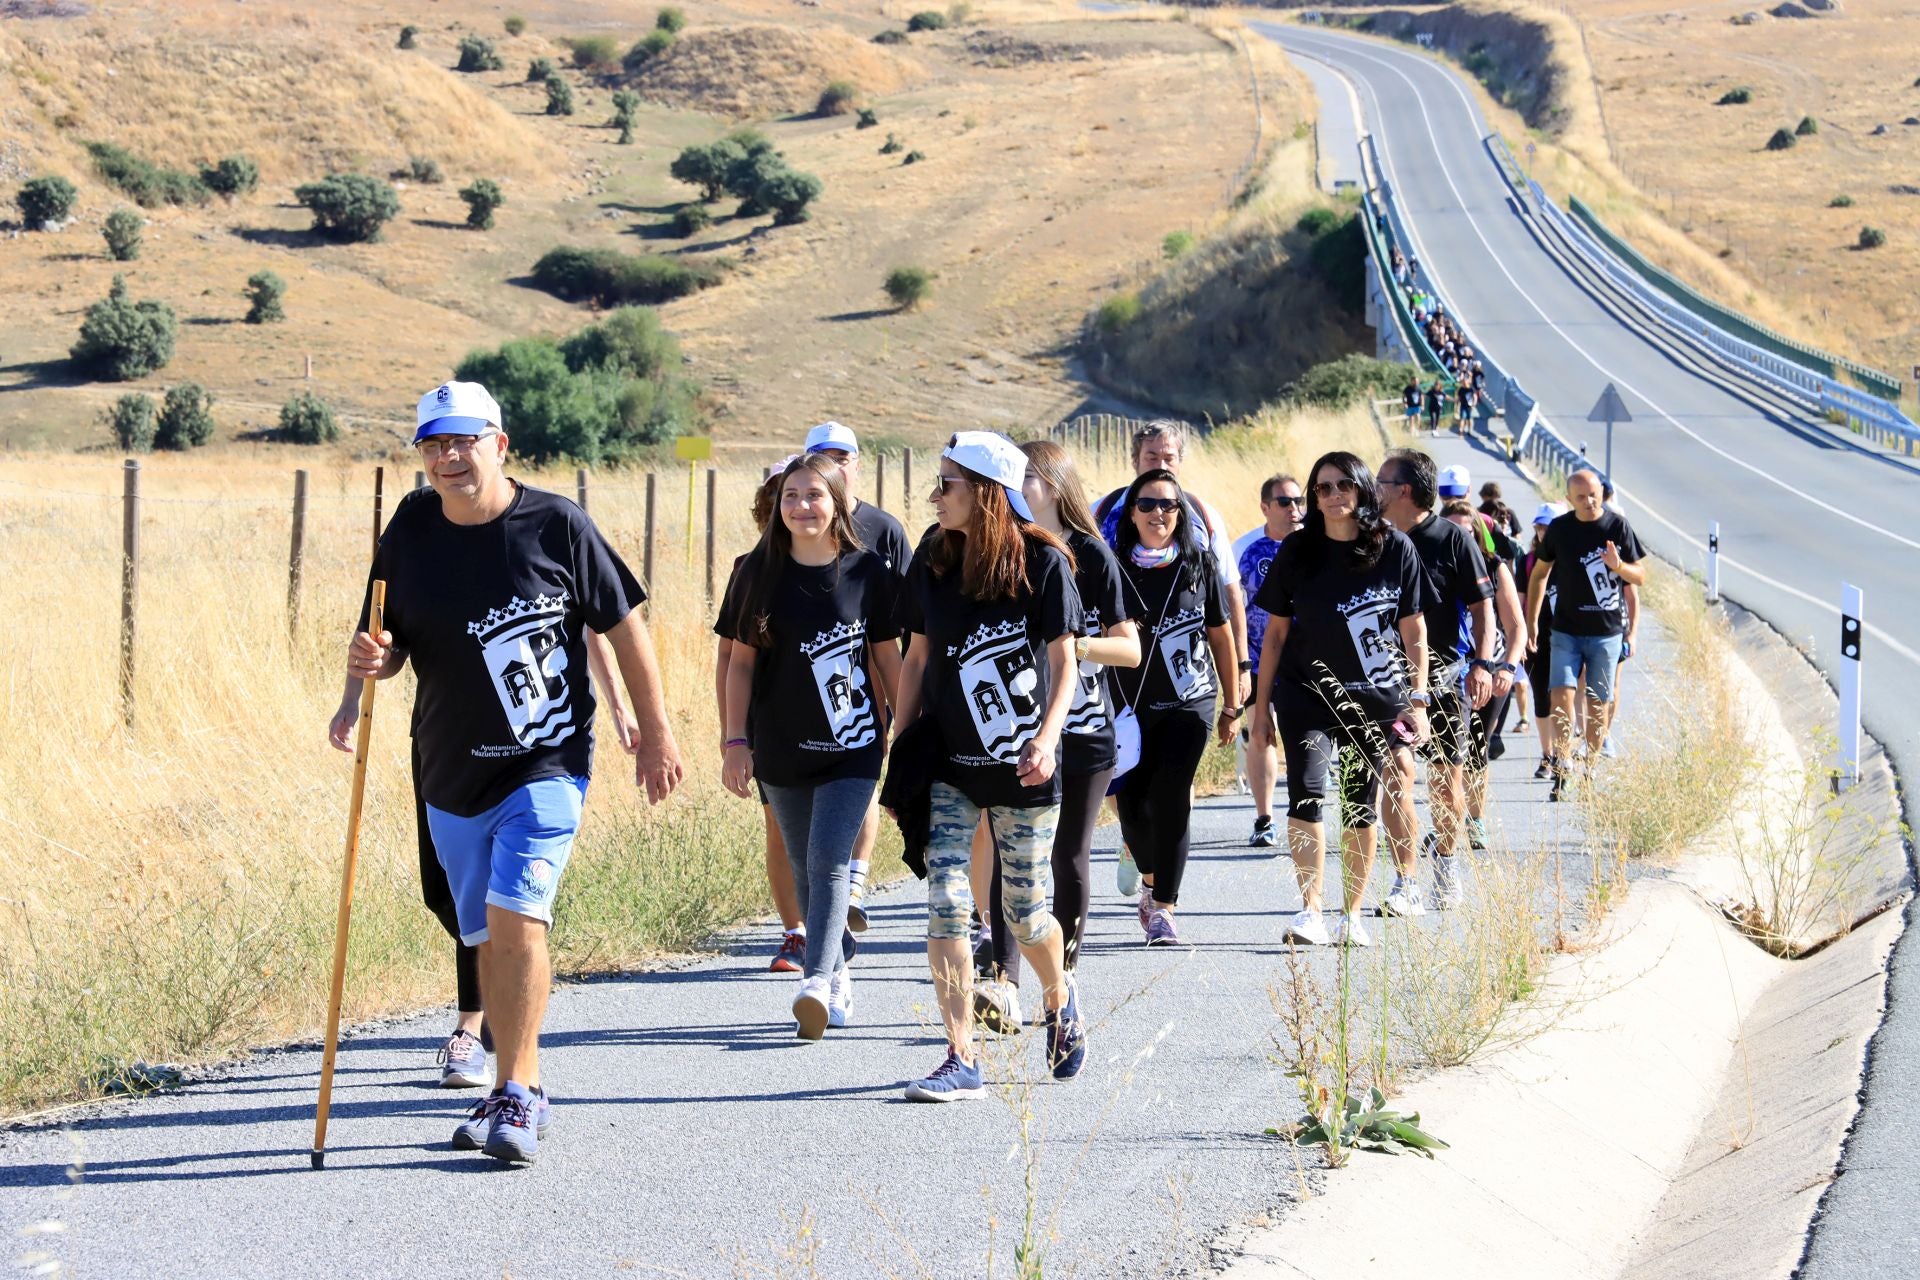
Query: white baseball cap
[[832, 435], [992, 456], [1547, 514], [457, 409], [1454, 482], [780, 468]]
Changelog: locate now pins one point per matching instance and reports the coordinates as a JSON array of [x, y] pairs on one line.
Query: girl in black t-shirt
[[815, 614], [1174, 594], [1345, 665], [991, 611]]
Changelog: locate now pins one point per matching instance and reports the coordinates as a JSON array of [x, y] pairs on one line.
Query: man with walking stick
[[492, 588]]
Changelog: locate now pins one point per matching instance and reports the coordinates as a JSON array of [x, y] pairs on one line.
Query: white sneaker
[[1307, 928], [840, 998], [996, 1006], [1126, 876], [810, 1008], [1348, 931], [1404, 899], [1448, 892], [1607, 748]]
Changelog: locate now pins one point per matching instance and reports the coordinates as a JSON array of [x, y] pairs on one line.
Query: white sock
[[856, 877]]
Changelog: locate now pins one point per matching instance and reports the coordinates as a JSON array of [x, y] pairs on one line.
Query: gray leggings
[[820, 823]]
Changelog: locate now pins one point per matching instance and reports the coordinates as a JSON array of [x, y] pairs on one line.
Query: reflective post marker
[[1847, 770], [1713, 563]]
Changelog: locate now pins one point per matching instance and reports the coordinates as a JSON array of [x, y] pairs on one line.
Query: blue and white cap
[[992, 456], [832, 435], [1454, 482], [457, 409]]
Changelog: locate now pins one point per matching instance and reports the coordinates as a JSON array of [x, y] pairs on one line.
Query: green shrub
[[650, 46], [786, 194], [1841, 201], [483, 196], [559, 96], [1175, 244], [837, 99], [306, 419], [147, 185], [625, 104], [1872, 237], [233, 176], [891, 146], [611, 278], [265, 292], [45, 200], [908, 287], [602, 394], [691, 220], [477, 54], [1807, 127], [670, 19], [705, 166], [591, 52], [891, 36], [1337, 384], [1735, 97], [867, 118], [515, 24], [629, 341], [927, 20], [1781, 140], [540, 69], [186, 418], [1119, 311], [420, 169], [349, 206], [1317, 222], [1339, 257], [131, 419], [122, 231], [913, 157], [626, 130], [407, 33], [121, 339]]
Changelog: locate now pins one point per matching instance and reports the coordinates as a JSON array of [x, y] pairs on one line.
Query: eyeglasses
[[1327, 488], [1151, 505], [1282, 500], [433, 446], [940, 483]]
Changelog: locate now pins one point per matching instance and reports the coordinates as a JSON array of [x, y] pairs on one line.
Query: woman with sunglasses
[[1174, 588], [1344, 665], [991, 611], [815, 613]]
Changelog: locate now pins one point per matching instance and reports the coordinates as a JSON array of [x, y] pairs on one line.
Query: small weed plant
[[186, 418], [122, 232], [307, 419], [559, 96], [349, 206], [121, 339], [1871, 238]]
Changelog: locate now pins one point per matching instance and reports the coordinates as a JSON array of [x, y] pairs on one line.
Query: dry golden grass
[[757, 71]]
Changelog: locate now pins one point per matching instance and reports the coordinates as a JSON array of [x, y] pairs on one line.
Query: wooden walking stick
[[376, 623]]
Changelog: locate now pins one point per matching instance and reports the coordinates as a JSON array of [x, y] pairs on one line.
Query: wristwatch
[[1080, 648], [1246, 664], [1419, 698]]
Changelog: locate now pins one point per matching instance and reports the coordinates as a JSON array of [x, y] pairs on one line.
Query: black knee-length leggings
[[1080, 798], [438, 895], [1156, 804], [1309, 748]]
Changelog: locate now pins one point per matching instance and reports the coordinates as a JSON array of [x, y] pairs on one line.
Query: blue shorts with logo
[[512, 855]]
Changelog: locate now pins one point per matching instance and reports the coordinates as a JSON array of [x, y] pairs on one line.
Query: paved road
[[1337, 128], [1798, 514]]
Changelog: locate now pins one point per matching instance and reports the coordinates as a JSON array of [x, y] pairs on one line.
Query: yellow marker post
[[693, 450]]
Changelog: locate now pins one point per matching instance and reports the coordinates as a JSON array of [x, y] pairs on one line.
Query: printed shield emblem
[[1089, 710], [1183, 651], [1606, 587], [527, 660], [1370, 623], [839, 664], [999, 681]]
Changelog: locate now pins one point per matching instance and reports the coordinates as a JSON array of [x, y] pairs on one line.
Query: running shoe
[[1559, 790], [1264, 836], [1126, 876], [1607, 748], [1067, 1036], [1448, 892], [952, 1081], [1496, 747], [840, 999], [1431, 845], [996, 1006], [857, 910], [849, 945], [1545, 770], [810, 1008], [1161, 931], [792, 955], [519, 1122], [1143, 907], [1308, 928], [1477, 834], [983, 953], [1348, 931], [1404, 899], [472, 1133], [1522, 725], [463, 1062]]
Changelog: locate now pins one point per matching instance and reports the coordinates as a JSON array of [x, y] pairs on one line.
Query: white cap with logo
[[832, 435], [457, 409], [1454, 482], [1547, 514], [992, 456]]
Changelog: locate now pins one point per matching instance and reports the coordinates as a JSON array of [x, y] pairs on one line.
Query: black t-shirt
[[1087, 746], [813, 716], [725, 623], [987, 677], [1589, 600], [1345, 624], [494, 619], [1176, 663], [1454, 577], [1436, 397], [880, 532], [1411, 397]]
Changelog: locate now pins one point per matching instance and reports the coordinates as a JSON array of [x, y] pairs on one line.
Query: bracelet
[[731, 743]]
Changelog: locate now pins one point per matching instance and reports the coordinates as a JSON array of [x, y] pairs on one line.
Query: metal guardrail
[[1553, 458], [1379, 202]]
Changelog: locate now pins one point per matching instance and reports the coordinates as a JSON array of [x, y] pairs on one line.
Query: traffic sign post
[[1847, 766], [1713, 563], [693, 450], [1610, 408]]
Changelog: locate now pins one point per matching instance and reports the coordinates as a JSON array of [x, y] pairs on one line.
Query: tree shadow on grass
[[210, 320], [34, 374], [621, 206], [438, 224], [847, 317], [280, 238]]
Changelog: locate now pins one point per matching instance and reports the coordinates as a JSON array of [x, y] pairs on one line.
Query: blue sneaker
[[1067, 1036], [463, 1062], [952, 1081], [1126, 875], [472, 1133], [520, 1120]]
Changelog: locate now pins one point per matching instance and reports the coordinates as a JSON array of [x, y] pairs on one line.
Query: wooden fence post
[[880, 481], [906, 481], [580, 486], [297, 551], [713, 501], [647, 554], [379, 487], [129, 580], [419, 479]]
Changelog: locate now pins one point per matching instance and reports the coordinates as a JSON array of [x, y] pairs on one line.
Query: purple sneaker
[[1161, 931], [520, 1118]]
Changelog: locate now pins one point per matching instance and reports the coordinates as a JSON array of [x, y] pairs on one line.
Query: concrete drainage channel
[[1685, 1116]]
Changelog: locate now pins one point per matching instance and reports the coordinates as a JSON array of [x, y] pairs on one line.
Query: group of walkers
[[1024, 658]]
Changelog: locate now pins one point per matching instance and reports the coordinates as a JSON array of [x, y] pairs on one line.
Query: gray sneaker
[[996, 1006], [1161, 931], [463, 1062], [1448, 892], [1126, 876], [840, 999]]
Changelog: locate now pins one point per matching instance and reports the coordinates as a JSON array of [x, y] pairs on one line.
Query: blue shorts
[[1600, 655], [512, 855]]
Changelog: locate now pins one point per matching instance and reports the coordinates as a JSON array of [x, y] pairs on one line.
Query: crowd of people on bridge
[[1463, 367], [990, 683]]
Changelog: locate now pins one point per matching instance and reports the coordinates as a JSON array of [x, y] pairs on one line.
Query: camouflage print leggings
[[1024, 840]]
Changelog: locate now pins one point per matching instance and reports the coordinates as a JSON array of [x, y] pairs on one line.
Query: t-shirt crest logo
[[1088, 714], [838, 656], [999, 681], [1606, 587], [1182, 645], [1369, 618], [527, 659]]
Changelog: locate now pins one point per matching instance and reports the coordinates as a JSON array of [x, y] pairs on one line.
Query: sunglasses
[[1281, 500], [1327, 488], [1151, 505], [940, 483]]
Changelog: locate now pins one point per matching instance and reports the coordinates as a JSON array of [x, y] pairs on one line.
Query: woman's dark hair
[[992, 555], [1194, 557], [767, 563], [1366, 512]]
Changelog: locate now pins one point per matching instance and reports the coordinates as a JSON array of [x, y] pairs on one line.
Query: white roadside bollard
[[1713, 563], [1847, 765]]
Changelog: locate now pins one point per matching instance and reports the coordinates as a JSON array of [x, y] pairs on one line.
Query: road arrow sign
[[1611, 408]]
